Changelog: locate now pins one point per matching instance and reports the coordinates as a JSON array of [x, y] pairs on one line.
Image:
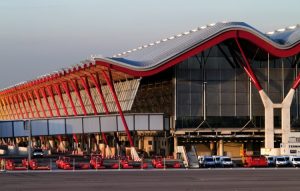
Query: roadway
[[167, 180]]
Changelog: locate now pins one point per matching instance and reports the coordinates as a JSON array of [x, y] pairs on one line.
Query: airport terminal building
[[222, 87]]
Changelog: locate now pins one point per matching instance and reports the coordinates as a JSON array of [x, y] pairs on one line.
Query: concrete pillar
[[175, 147], [286, 116], [221, 148], [269, 120], [212, 147], [140, 142]]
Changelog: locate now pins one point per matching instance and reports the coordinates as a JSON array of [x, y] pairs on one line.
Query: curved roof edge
[[155, 57]]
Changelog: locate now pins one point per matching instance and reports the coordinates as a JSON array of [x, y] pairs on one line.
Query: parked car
[[281, 162], [206, 161], [226, 162], [37, 153], [217, 160], [294, 161], [271, 161]]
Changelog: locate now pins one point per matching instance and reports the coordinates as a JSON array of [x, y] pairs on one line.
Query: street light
[[27, 124]]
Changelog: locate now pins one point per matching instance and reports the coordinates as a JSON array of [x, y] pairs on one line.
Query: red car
[[96, 162], [10, 165], [157, 162], [33, 165], [64, 163]]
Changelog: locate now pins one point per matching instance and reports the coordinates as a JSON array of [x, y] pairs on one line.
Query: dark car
[[37, 153]]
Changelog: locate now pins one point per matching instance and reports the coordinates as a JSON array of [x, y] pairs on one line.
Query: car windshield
[[270, 158], [217, 158], [38, 150], [280, 159], [296, 159], [208, 159], [227, 159]]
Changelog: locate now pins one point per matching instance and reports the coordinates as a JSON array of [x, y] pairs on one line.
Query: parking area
[[170, 179]]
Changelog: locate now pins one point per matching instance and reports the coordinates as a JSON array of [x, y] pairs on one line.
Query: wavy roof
[[154, 54], [155, 57]]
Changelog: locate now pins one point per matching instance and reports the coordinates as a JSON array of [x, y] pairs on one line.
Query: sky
[[41, 36]]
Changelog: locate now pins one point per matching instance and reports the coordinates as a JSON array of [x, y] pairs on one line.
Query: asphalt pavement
[[154, 180]]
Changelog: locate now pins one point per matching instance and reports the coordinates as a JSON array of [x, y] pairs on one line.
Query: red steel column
[[9, 113], [3, 112], [248, 68], [35, 107], [78, 96], [87, 91], [47, 102], [11, 110], [36, 92], [112, 90], [98, 87], [57, 90], [49, 90], [14, 107], [18, 104], [22, 101], [26, 98], [66, 89]]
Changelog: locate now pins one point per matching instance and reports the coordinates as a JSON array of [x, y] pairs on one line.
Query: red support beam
[[18, 104], [2, 111], [113, 92], [23, 104], [75, 88], [46, 100], [27, 100], [9, 106], [248, 68], [57, 90], [35, 107], [49, 90], [87, 91], [37, 95], [98, 87], [9, 113], [14, 107], [67, 91], [296, 82]]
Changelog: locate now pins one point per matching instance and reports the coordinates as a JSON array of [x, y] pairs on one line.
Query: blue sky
[[40, 36]]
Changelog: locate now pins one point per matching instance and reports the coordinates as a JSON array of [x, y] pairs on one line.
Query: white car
[[226, 162], [294, 161], [281, 162], [206, 161]]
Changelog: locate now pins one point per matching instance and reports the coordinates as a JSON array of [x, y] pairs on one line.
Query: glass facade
[[230, 97]]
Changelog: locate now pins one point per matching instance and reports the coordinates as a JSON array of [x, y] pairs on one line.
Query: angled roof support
[[49, 90], [46, 100], [88, 93], [26, 99], [15, 99], [75, 88], [57, 90], [67, 91], [22, 101], [34, 104], [36, 92]]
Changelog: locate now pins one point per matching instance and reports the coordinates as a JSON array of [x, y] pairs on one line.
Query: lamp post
[[28, 128]]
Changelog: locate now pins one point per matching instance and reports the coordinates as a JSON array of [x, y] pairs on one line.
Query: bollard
[[96, 167], [50, 166], [73, 164], [142, 164], [119, 164], [164, 163]]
